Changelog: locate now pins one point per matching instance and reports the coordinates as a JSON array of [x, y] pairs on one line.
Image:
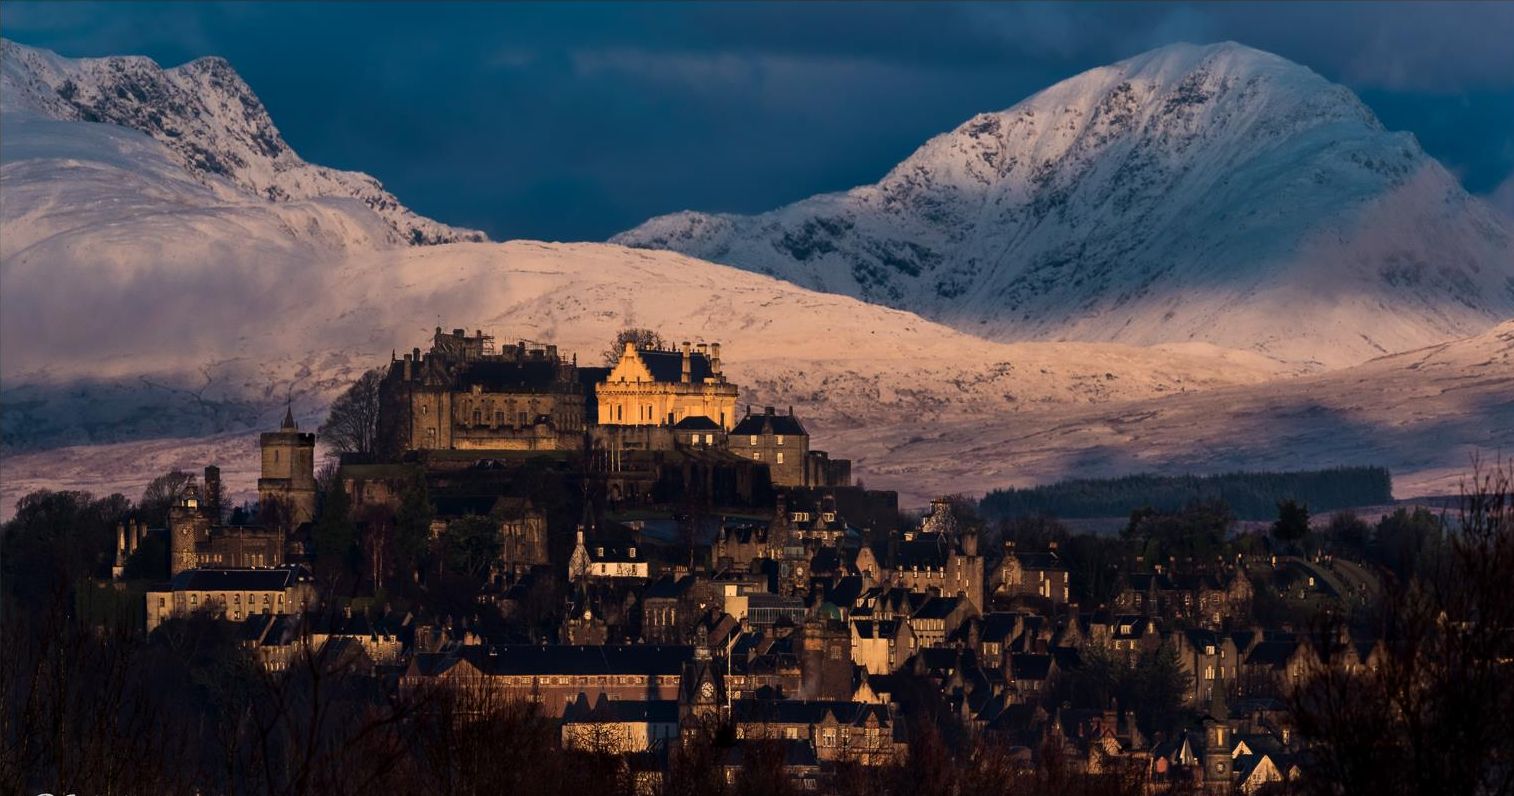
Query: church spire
[[289, 424]]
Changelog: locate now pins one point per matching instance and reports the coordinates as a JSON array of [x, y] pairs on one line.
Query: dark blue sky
[[575, 121]]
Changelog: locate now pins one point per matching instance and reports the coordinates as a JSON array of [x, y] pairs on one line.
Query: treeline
[[1251, 496]]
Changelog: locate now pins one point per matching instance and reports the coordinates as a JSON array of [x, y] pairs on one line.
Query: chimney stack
[[715, 358], [685, 377]]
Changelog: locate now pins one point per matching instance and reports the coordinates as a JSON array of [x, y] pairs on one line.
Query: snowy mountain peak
[[1211, 193], [207, 117]]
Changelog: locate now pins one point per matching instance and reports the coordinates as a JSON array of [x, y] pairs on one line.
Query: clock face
[[707, 690]]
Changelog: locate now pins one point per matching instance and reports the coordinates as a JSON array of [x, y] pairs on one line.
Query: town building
[[554, 675], [233, 594]]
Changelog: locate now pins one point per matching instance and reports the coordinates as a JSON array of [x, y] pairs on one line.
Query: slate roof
[[937, 608], [539, 376], [562, 659], [922, 553], [628, 711], [770, 423], [1040, 561], [667, 366], [240, 579], [696, 423], [997, 626], [795, 711], [1030, 666], [669, 587], [1274, 654]]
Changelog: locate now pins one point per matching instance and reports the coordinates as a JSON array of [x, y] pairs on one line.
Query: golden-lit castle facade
[[661, 387]]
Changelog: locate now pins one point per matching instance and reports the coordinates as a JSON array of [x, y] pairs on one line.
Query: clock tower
[[701, 694]]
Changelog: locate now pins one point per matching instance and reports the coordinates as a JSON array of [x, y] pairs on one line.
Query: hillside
[[1426, 415], [1194, 193]]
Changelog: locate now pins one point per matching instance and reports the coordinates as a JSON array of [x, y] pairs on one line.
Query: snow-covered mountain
[[1193, 193], [208, 120]]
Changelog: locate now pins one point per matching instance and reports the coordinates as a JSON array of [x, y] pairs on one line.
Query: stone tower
[[288, 471], [188, 526], [1218, 741]]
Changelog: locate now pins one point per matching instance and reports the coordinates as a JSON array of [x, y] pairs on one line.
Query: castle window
[[275, 456], [709, 439], [757, 456], [753, 440], [478, 417], [780, 439], [780, 455]]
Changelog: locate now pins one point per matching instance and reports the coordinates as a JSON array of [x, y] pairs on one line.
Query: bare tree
[[1432, 710], [352, 425], [643, 338]]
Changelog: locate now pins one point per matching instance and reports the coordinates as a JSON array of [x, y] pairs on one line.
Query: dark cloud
[[574, 121]]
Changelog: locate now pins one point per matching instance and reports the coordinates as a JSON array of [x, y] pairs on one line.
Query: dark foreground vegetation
[[1251, 496], [92, 706]]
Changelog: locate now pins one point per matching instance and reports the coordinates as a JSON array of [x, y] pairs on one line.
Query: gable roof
[[770, 423], [696, 423]]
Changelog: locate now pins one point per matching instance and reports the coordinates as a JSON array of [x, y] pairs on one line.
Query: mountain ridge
[[1214, 193], [208, 118]]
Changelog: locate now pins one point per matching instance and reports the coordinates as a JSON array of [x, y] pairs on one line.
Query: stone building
[[195, 539], [288, 471], [1031, 574], [940, 558], [661, 387], [554, 675], [465, 395], [779, 441], [233, 593]]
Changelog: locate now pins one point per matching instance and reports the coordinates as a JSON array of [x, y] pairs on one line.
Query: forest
[[1250, 495]]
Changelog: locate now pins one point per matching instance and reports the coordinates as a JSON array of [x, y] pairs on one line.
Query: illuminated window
[[780, 457]]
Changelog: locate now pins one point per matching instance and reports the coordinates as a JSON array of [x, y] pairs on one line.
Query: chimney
[[685, 376], [715, 358], [409, 365], [768, 410]]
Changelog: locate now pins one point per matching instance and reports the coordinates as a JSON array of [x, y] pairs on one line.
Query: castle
[[465, 395], [662, 387]]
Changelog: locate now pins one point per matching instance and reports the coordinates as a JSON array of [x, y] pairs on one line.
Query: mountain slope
[[102, 377], [209, 121], [1216, 194], [1426, 414]]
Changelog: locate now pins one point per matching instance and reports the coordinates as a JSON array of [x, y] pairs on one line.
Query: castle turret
[[188, 526]]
